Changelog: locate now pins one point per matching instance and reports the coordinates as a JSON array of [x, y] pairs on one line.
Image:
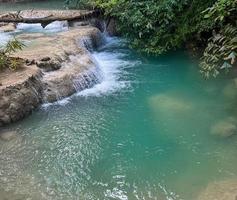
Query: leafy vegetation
[[157, 26], [6, 58], [220, 53]]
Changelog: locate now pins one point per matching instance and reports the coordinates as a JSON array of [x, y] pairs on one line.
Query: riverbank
[[57, 64]]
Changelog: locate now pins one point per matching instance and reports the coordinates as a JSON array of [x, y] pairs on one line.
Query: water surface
[[143, 133], [46, 4]]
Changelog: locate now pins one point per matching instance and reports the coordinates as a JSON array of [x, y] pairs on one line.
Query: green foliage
[[221, 52], [222, 10], [157, 26], [6, 59]]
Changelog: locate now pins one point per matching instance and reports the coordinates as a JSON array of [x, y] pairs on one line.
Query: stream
[[153, 128]]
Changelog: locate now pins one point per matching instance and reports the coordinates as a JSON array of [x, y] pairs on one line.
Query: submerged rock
[[166, 102], [230, 91], [7, 135], [223, 190], [225, 128]]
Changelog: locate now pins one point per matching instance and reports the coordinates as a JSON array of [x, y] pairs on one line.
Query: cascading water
[[54, 27], [4, 38], [107, 73], [143, 130], [112, 67]]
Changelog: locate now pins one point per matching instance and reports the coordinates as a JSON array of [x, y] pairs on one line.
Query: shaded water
[[47, 4], [144, 132]]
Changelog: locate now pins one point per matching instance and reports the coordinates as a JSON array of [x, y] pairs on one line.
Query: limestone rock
[[20, 92], [112, 27], [57, 66], [63, 58], [7, 27]]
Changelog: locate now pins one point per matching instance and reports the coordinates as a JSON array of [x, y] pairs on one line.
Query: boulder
[[57, 65], [63, 58], [111, 27]]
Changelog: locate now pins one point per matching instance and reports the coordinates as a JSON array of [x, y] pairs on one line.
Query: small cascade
[[93, 43], [88, 79], [112, 66], [87, 43], [54, 27]]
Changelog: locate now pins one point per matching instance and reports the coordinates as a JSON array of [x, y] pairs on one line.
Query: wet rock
[[225, 128], [45, 59], [112, 27], [223, 190], [49, 65], [20, 93]]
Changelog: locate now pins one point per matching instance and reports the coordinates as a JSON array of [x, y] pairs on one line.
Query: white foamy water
[[4, 38], [113, 68], [108, 77], [56, 26], [29, 27]]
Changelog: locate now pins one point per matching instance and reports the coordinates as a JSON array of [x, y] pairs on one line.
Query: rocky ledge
[[56, 66]]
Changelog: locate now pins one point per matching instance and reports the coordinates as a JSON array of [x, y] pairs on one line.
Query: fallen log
[[46, 16]]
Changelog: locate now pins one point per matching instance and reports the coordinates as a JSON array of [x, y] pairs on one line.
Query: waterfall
[[54, 27], [88, 79], [112, 68]]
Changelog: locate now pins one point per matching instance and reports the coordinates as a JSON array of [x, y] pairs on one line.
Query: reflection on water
[[144, 132]]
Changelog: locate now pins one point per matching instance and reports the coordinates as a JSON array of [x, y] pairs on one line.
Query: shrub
[[157, 26], [221, 52]]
